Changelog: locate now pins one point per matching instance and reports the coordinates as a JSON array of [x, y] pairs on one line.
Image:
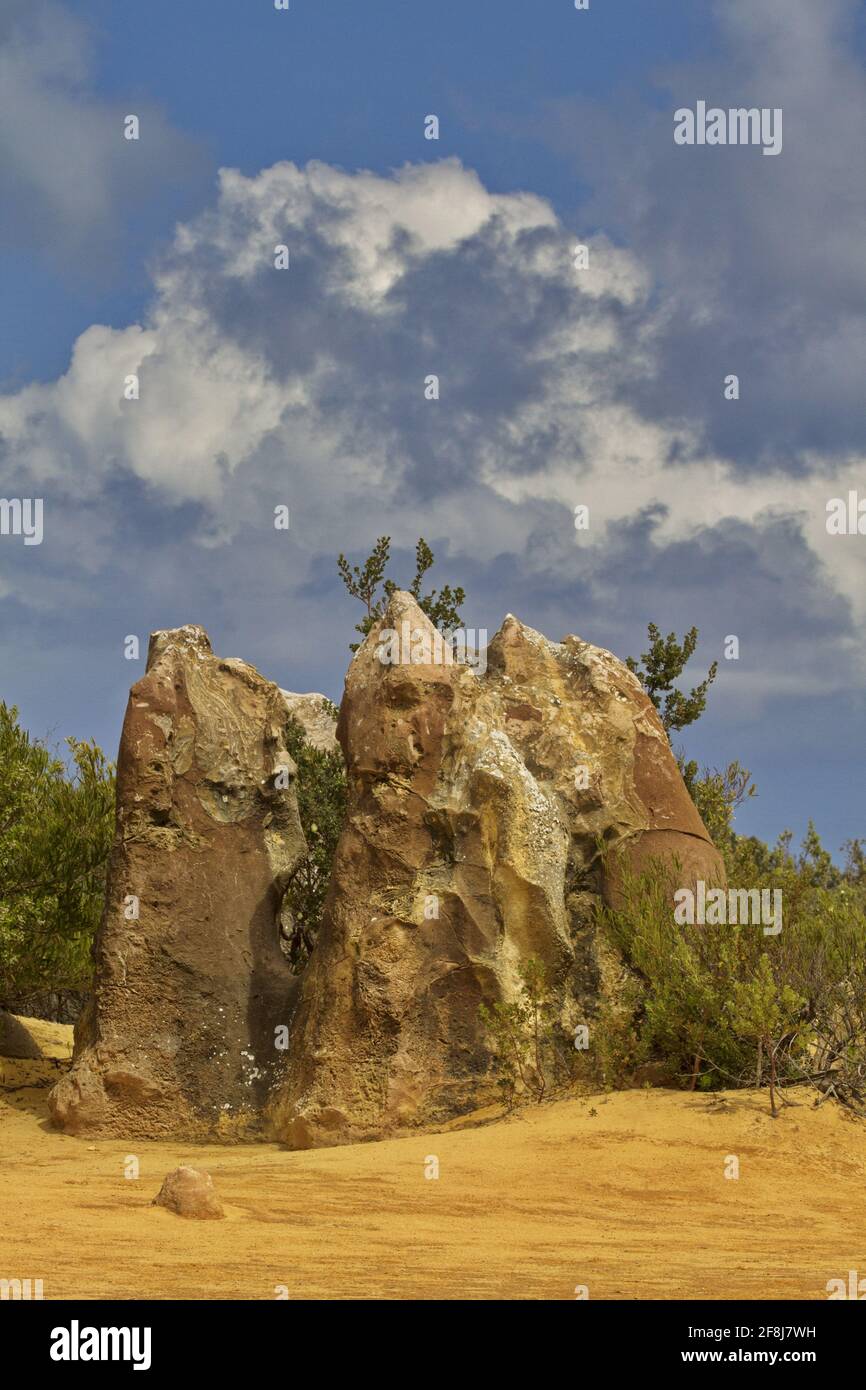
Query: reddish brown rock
[[477, 806], [179, 1035], [190, 1193]]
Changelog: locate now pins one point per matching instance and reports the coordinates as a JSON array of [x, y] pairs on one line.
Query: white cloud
[[260, 386]]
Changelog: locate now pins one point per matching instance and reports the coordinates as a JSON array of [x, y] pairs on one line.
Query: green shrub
[[728, 1005], [766, 1013], [321, 792], [56, 828], [522, 1032], [663, 664], [687, 976]]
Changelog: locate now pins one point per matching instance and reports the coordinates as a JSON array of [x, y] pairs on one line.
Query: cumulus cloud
[[306, 386], [327, 361]]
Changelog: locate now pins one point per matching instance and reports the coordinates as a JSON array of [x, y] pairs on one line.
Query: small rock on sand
[[188, 1192]]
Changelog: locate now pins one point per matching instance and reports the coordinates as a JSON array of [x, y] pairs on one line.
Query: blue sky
[[409, 257], [340, 82]]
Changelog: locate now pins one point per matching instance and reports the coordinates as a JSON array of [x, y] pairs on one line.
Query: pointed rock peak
[[190, 639], [404, 607], [513, 630], [515, 643], [405, 636]]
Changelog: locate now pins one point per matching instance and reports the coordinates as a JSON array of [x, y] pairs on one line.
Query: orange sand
[[623, 1193]]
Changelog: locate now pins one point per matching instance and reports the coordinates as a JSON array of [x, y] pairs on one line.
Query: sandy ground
[[624, 1194]]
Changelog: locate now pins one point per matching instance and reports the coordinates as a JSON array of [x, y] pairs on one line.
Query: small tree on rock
[[362, 581], [663, 664]]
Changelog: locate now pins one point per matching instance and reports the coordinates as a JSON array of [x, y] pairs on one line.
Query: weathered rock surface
[[189, 1193], [477, 804], [178, 1037], [313, 713], [15, 1040]]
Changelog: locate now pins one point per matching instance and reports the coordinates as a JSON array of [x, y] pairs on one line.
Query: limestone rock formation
[[178, 1037], [477, 804], [191, 1193], [313, 714]]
